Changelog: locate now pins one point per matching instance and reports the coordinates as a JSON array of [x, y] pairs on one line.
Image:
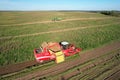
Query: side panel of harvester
[[59, 57], [42, 55]]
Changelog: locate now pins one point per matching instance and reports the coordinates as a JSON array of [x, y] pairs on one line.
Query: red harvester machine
[[55, 51]]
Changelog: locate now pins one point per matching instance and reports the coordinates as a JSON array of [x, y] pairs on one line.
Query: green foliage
[[21, 49], [111, 13], [57, 19], [37, 28], [14, 50]]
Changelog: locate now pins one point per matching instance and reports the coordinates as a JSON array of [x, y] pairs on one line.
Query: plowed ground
[[97, 68], [87, 56]]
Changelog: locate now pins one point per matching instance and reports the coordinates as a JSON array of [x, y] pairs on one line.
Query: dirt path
[[56, 31], [67, 65], [39, 22]]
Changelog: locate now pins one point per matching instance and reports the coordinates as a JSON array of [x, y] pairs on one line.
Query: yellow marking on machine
[[59, 57]]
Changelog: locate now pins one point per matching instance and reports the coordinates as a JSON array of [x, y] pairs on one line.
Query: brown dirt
[[115, 76], [16, 67], [56, 31], [101, 60], [67, 65]]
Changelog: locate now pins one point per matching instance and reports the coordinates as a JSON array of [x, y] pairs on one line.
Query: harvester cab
[[64, 45]]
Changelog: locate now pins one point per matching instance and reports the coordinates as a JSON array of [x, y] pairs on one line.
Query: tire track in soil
[[101, 60], [99, 71], [67, 65], [56, 31]]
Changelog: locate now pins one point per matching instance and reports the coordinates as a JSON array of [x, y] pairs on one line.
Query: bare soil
[[115, 76], [104, 60], [16, 67]]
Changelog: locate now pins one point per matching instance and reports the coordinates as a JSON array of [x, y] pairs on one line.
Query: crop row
[[54, 69], [92, 69], [45, 27], [16, 50], [98, 70]]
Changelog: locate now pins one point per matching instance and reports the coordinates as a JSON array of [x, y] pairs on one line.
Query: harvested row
[[17, 67], [114, 76], [68, 65], [96, 62], [98, 70]]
